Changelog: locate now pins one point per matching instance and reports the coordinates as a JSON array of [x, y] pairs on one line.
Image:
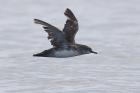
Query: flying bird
[[63, 42]]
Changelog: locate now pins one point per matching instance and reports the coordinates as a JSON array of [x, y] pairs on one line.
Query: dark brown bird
[[63, 41]]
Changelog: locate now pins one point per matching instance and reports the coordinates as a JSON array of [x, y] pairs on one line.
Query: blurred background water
[[111, 27]]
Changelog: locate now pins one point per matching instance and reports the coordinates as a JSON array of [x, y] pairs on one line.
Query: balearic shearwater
[[63, 41]]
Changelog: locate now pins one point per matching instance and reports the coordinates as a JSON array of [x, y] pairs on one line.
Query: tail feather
[[39, 54]]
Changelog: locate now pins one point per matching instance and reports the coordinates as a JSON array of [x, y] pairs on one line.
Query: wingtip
[[36, 21], [69, 14], [67, 11]]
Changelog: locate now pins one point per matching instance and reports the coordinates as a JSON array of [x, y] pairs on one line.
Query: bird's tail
[[39, 54]]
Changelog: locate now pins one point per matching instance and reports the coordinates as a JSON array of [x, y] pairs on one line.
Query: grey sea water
[[111, 27]]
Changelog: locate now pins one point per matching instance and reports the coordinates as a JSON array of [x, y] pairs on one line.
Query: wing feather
[[71, 27], [56, 36]]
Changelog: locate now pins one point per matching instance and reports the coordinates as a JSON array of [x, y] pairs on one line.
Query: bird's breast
[[66, 53]]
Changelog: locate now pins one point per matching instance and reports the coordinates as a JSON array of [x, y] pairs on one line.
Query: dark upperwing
[[56, 36], [71, 27]]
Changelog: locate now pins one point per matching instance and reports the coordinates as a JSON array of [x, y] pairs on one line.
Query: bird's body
[[63, 41], [66, 51]]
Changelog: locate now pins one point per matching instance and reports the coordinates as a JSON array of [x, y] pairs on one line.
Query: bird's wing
[[56, 36], [71, 26]]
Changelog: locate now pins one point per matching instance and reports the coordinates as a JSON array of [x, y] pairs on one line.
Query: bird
[[63, 41]]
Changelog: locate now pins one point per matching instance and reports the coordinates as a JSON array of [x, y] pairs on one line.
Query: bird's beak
[[94, 52]]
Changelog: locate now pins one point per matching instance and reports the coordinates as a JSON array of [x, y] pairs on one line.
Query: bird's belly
[[66, 53]]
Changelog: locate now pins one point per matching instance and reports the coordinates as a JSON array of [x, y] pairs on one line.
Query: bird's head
[[88, 50]]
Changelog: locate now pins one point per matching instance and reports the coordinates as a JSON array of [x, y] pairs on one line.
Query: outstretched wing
[[56, 36], [71, 26]]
